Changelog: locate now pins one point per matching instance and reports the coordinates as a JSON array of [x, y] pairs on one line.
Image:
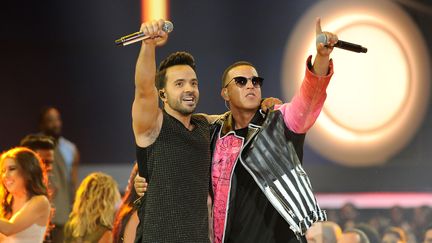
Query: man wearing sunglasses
[[260, 191]]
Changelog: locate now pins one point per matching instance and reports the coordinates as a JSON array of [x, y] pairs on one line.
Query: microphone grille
[[168, 26], [321, 38]]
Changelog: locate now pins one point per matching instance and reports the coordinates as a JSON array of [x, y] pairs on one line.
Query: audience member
[[428, 234], [361, 233], [422, 217], [25, 208], [394, 235], [44, 146], [323, 232], [64, 169], [93, 211], [348, 216]]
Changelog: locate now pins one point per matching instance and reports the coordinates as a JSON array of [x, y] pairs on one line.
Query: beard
[[179, 106]]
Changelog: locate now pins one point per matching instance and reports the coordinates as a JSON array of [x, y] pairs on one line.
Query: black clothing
[[270, 152], [174, 208]]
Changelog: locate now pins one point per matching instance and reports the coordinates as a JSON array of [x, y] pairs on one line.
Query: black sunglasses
[[242, 81]]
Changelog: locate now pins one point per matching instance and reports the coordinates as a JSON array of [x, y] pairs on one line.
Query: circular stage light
[[376, 101]]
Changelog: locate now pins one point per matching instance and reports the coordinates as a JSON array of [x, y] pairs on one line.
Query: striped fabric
[[272, 160]]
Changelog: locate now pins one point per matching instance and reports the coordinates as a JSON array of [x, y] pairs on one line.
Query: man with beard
[[64, 169], [44, 146], [172, 145]]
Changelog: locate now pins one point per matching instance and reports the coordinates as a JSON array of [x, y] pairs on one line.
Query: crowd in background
[[414, 221], [40, 197], [386, 225]]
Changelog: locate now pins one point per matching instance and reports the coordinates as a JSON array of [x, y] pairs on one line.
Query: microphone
[[322, 38], [139, 36]]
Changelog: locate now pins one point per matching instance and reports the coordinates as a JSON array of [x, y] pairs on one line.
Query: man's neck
[[242, 118], [184, 119]]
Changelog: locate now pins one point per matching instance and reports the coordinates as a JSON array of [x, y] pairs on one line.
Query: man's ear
[[224, 94], [162, 94]]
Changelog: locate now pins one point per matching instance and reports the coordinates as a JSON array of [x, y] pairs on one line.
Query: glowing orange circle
[[376, 101]]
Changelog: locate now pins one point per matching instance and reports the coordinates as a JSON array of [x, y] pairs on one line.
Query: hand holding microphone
[[325, 41], [322, 38], [155, 32]]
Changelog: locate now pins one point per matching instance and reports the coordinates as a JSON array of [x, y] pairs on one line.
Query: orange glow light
[[154, 9], [377, 100]]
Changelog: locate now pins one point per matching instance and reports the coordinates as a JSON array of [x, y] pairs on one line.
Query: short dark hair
[[36, 141], [236, 64], [176, 58]]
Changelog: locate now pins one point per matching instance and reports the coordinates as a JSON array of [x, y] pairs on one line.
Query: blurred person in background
[[379, 222], [370, 232], [93, 211], [25, 209], [422, 217], [126, 219], [353, 236], [323, 232], [43, 146], [428, 234], [348, 216], [398, 217], [361, 233], [394, 235], [64, 169]]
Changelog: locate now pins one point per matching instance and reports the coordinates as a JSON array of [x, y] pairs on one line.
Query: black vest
[[174, 208]]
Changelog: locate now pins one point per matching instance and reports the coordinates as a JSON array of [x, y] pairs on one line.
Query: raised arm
[[37, 210], [322, 59], [146, 115], [302, 112]]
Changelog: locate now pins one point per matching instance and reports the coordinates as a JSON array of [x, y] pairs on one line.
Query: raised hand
[[332, 39], [154, 30]]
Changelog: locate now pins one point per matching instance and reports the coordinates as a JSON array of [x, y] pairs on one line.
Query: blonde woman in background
[[92, 215], [394, 235], [25, 208]]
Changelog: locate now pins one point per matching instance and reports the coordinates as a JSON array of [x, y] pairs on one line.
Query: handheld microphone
[[322, 38], [139, 36]]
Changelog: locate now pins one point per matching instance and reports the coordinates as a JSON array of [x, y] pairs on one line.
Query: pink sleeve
[[302, 112]]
